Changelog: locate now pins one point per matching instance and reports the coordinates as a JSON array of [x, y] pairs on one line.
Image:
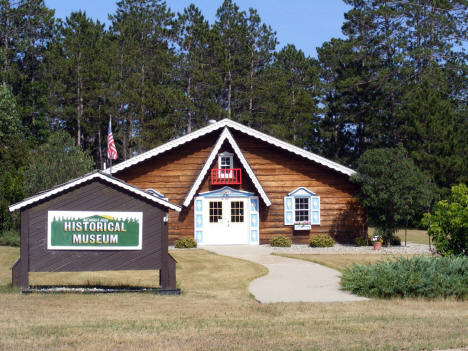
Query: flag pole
[[111, 150], [110, 159]]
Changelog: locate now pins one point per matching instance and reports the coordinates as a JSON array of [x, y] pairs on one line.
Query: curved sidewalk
[[288, 280]]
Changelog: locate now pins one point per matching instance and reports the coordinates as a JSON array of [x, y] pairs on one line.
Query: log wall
[[279, 172]]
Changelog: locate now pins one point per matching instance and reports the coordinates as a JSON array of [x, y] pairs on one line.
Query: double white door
[[226, 221]]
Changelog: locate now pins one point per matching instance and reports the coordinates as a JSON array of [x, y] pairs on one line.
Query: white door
[[226, 221]]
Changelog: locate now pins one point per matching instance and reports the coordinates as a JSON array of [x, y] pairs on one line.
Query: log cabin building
[[237, 185]]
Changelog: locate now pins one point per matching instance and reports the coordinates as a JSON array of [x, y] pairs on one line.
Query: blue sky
[[304, 23]]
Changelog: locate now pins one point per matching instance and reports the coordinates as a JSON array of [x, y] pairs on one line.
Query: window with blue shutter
[[198, 220], [254, 220], [288, 210], [302, 207]]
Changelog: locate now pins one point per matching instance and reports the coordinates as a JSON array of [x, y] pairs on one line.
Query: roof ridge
[[241, 128], [94, 174]]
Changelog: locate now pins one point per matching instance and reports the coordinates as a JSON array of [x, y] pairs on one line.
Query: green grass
[[216, 312]]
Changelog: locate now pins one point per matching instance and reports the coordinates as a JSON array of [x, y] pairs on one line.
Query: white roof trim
[[168, 146], [289, 147], [301, 189], [237, 126], [226, 135], [78, 181]]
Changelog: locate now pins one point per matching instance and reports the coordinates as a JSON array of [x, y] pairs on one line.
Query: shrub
[[10, 238], [448, 225], [185, 243], [362, 241], [395, 240], [419, 276], [280, 241], [321, 240]]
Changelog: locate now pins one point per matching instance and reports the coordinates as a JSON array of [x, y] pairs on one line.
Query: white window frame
[[308, 198], [231, 164]]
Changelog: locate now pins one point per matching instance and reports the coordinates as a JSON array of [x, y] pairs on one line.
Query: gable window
[[302, 209], [225, 165]]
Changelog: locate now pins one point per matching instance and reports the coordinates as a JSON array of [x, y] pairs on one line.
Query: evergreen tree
[[12, 158], [26, 28], [261, 41], [72, 63], [145, 93], [197, 74], [296, 114], [233, 53]]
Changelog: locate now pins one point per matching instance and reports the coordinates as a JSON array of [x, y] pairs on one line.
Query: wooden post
[[164, 272], [20, 270]]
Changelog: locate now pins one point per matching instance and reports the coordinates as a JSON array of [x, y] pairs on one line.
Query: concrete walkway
[[288, 280]]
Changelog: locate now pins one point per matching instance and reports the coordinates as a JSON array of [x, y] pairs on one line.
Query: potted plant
[[302, 225], [377, 242]]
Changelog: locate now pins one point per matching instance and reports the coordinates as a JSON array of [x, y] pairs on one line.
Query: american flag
[[111, 150]]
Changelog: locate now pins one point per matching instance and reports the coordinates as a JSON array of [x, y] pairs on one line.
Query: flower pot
[[377, 245]]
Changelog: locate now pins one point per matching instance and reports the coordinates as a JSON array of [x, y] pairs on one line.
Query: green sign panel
[[88, 230]]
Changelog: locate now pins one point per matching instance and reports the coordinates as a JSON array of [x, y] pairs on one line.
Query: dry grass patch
[[8, 256], [413, 236], [215, 312], [341, 261]]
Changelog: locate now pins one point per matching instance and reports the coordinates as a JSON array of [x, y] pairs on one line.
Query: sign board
[[94, 230]]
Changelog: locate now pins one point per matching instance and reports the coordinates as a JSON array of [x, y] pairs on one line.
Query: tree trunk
[[5, 45], [79, 107], [252, 66], [229, 93], [124, 141], [189, 111], [100, 147]]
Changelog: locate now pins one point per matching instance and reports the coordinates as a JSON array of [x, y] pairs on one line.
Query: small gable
[[226, 191], [301, 191]]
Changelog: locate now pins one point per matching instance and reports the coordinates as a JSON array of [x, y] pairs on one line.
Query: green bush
[[280, 241], [362, 241], [185, 243], [321, 240], [448, 225], [419, 276], [10, 238]]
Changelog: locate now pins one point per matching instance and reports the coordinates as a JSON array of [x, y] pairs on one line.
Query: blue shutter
[[198, 220], [288, 210], [315, 210], [254, 221]]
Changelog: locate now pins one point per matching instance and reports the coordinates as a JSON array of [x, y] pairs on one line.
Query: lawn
[[413, 236], [215, 312]]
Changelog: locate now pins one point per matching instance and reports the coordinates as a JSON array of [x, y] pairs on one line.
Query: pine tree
[[26, 28], [72, 62], [197, 75], [233, 53], [295, 95], [145, 93]]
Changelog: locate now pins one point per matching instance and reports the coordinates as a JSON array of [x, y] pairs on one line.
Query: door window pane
[[237, 211], [216, 211]]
